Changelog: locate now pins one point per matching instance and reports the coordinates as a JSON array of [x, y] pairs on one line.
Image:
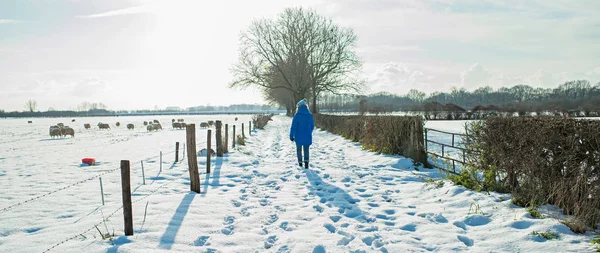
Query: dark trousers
[[299, 149]]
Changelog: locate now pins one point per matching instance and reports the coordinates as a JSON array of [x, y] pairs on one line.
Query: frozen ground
[[255, 200]]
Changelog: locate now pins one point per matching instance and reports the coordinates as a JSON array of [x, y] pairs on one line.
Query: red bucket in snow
[[89, 161]]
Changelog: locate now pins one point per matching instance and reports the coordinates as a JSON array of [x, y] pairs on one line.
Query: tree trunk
[[313, 103]]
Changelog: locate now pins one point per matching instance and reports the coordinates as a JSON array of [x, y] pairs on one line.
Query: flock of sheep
[[61, 130]]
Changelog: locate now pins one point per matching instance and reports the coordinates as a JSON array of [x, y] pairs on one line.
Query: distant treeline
[[577, 95], [238, 108]]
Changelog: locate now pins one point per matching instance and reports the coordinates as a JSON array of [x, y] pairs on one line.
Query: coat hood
[[303, 110]]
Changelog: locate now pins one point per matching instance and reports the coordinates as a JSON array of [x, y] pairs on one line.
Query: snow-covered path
[[257, 199]]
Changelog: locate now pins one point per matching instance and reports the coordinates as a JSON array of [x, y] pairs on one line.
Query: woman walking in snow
[[303, 125]]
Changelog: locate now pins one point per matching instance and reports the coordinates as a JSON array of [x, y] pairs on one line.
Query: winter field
[[255, 200]]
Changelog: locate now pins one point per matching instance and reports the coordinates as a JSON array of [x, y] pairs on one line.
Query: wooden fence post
[[208, 138], [101, 190], [243, 134], [176, 151], [226, 146], [143, 176], [192, 160], [218, 137], [160, 161], [249, 128], [233, 140], [126, 192], [426, 150]]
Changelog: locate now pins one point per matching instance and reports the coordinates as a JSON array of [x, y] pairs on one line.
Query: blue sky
[[136, 54]]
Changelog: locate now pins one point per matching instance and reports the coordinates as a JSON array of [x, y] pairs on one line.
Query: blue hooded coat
[[303, 125]]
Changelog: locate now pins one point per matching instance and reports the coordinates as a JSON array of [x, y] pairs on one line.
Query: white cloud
[[399, 78], [126, 11], [546, 79], [9, 21], [475, 76]]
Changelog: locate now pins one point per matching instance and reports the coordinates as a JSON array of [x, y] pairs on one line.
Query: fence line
[[57, 190], [115, 211], [443, 154], [6, 209]]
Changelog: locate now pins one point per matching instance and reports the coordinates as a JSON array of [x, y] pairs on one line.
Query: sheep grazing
[[235, 118], [153, 127], [87, 126], [178, 125], [156, 121], [118, 124], [203, 125], [103, 126], [145, 123], [60, 125], [203, 151], [180, 120], [55, 131], [29, 122], [73, 120], [130, 126], [211, 123], [172, 120], [67, 131]]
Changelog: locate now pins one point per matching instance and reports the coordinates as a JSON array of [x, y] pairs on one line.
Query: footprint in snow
[[466, 240], [271, 219], [335, 218], [477, 220], [284, 249], [370, 239], [460, 224], [521, 224], [236, 203], [270, 241], [373, 204], [285, 226], [409, 227], [201, 241], [228, 230], [330, 228], [228, 220], [244, 212], [263, 202], [437, 218]]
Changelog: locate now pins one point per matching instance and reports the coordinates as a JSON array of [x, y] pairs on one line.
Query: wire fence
[[55, 191], [138, 197], [114, 212]]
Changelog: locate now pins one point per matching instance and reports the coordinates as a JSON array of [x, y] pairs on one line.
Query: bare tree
[[301, 52], [31, 105]]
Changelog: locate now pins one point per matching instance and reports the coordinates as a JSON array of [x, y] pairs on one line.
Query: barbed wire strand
[[5, 209], [114, 212]]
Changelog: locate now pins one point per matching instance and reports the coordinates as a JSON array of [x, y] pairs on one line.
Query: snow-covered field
[[255, 200]]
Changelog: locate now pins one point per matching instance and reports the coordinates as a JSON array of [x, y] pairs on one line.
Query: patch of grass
[[466, 179], [475, 209], [435, 183], [241, 140], [535, 212], [596, 240], [576, 226], [549, 235]]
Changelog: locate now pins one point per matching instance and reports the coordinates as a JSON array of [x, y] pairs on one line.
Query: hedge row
[[541, 160], [402, 135]]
